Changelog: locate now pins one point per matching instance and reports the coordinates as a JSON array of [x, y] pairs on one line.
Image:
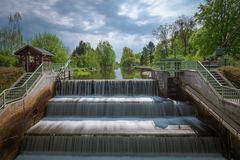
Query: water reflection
[[118, 73]]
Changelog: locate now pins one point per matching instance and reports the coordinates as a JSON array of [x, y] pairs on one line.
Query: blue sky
[[121, 22]]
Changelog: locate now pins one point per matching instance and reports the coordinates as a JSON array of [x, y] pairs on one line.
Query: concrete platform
[[85, 125]]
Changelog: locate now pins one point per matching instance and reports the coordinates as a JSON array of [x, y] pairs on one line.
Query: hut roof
[[41, 51]]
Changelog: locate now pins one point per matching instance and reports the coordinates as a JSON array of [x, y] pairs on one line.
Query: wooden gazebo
[[31, 57]]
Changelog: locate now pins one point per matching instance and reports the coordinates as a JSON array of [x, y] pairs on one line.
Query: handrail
[[224, 92], [13, 94], [209, 73]]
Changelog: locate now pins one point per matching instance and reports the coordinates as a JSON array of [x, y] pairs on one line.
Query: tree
[[162, 33], [220, 21], [11, 37], [145, 59], [52, 43], [151, 48], [128, 58], [185, 27], [80, 49], [85, 56], [106, 55]]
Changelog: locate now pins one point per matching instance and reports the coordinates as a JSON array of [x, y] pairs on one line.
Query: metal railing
[[16, 93], [225, 92]]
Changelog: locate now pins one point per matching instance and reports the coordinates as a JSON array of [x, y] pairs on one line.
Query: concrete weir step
[[118, 106], [183, 156], [168, 126], [143, 144]]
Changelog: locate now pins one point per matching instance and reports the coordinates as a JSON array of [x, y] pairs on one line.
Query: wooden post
[[69, 74]]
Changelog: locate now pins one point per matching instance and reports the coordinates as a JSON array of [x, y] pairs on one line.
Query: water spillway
[[118, 119], [108, 87]]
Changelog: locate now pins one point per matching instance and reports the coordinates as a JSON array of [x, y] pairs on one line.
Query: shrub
[[8, 75]]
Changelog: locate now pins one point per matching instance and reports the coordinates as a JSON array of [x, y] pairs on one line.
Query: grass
[[232, 74], [8, 75], [79, 72]]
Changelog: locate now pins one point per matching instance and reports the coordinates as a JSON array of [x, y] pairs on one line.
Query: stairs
[[16, 90], [22, 80], [219, 78]]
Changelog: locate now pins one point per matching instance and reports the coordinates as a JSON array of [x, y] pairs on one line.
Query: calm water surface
[[118, 73]]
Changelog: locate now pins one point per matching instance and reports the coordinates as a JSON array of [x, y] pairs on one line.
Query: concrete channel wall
[[223, 115], [19, 116]]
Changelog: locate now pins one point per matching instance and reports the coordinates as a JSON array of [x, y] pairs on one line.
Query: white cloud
[[132, 12], [54, 18], [153, 10]]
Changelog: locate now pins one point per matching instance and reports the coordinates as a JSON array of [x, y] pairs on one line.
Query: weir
[[118, 119]]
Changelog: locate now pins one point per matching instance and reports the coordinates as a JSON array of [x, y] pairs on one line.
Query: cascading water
[[118, 119], [107, 87]]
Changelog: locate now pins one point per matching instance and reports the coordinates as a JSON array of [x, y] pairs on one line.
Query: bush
[[8, 60], [8, 75], [232, 74]]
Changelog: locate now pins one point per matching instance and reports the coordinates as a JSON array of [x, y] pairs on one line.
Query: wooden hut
[[31, 57]]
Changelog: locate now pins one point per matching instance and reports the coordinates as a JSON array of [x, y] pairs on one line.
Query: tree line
[[101, 58], [215, 25]]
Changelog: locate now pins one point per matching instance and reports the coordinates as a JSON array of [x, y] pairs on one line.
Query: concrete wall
[[162, 81], [226, 113], [19, 116]]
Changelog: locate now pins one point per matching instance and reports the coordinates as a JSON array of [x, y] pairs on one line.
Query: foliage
[[232, 74], [11, 36], [105, 55], [84, 56], [8, 60], [52, 43], [159, 52], [220, 21], [145, 59], [8, 75], [175, 38], [128, 59], [151, 48], [162, 34], [80, 49], [130, 73]]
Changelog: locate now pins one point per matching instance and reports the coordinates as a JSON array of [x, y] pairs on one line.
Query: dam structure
[[120, 120]]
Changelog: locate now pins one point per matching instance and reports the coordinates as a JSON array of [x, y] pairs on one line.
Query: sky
[[122, 22]]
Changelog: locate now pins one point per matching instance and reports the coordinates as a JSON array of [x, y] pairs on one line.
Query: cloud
[[123, 23], [132, 12], [145, 12]]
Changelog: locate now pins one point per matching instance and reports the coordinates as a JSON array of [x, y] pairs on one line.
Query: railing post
[[222, 92], [26, 88], [4, 99], [42, 68]]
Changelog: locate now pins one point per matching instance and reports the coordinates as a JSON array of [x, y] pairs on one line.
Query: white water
[[121, 119]]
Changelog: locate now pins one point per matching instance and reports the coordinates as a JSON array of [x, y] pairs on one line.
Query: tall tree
[[185, 28], [52, 43], [220, 21], [162, 33], [151, 48], [145, 59], [106, 55], [80, 49], [128, 58]]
